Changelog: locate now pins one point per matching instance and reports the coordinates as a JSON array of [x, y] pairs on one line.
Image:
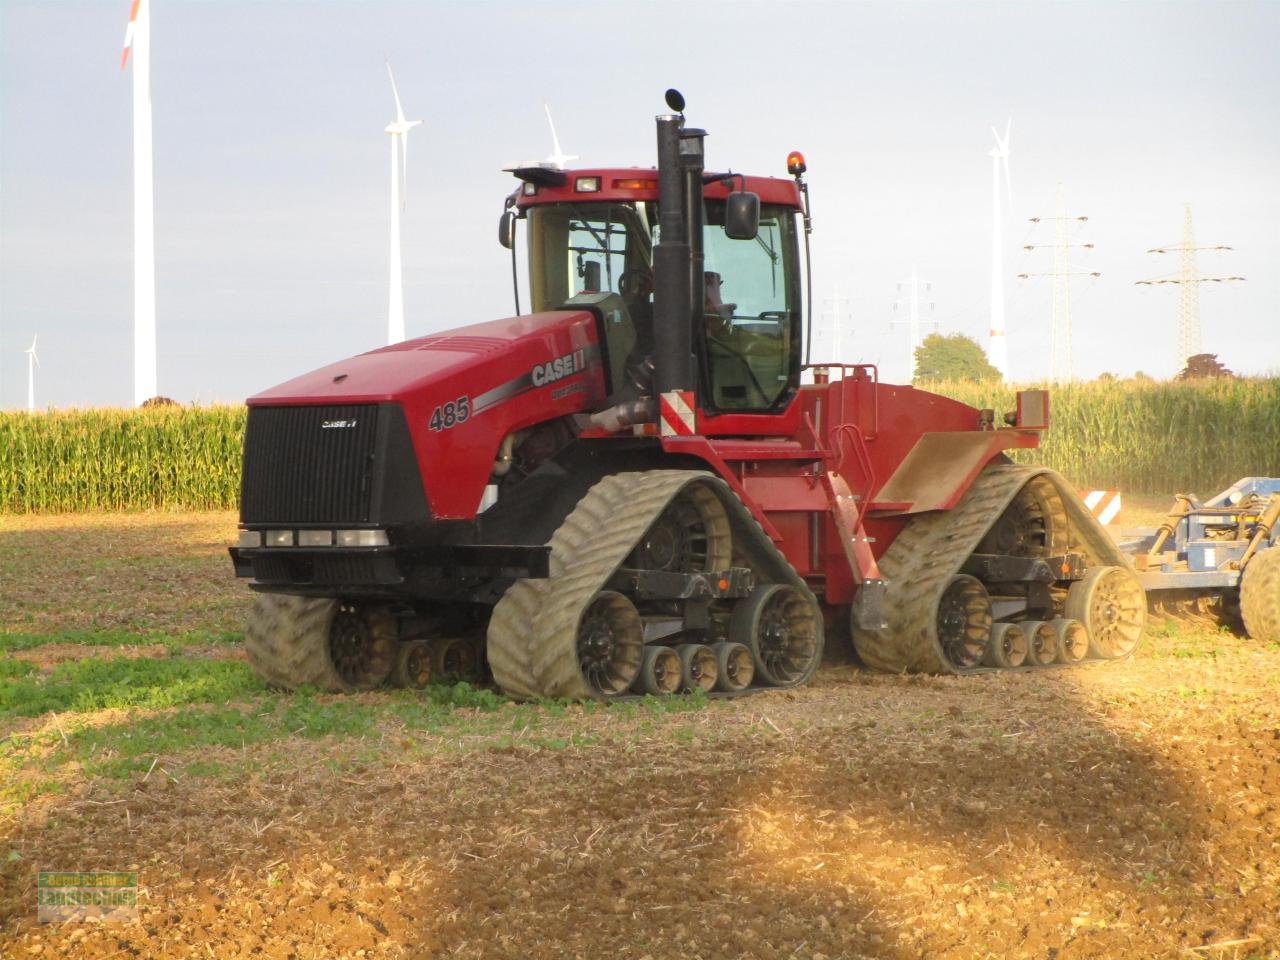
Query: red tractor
[[630, 489]]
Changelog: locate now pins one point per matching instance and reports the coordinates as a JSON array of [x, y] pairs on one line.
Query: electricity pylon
[[1061, 274], [1189, 279], [912, 301]]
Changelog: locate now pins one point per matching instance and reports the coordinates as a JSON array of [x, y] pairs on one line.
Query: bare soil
[[1128, 809]]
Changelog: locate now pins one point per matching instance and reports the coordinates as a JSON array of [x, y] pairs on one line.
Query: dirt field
[[1117, 810]]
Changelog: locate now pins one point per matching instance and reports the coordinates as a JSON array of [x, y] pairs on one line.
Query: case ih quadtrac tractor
[[630, 489]]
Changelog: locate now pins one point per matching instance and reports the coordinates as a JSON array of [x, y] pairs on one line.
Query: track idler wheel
[[1007, 647], [1110, 602], [734, 666], [362, 645], [964, 622], [1072, 639], [659, 672], [413, 669], [1042, 643], [781, 628], [610, 644], [697, 667]]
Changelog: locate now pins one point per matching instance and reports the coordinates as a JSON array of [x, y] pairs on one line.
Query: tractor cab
[[592, 237]]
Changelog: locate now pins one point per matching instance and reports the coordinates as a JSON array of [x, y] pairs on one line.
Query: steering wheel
[[631, 282]]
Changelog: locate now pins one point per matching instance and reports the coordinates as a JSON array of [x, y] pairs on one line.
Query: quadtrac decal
[[542, 374]]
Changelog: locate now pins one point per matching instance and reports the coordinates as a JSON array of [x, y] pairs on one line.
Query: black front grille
[[309, 464]]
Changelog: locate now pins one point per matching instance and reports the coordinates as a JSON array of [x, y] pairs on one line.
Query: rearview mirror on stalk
[[507, 229], [742, 216]]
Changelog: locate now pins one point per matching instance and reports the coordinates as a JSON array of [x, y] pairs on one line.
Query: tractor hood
[[452, 396], [484, 351]]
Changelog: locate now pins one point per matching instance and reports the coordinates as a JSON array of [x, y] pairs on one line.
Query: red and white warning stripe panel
[[1103, 504], [676, 414]]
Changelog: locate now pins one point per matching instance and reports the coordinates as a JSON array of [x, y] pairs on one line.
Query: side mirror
[[742, 216], [507, 229]]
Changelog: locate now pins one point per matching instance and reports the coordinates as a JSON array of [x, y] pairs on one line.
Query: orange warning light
[[795, 163], [724, 584]]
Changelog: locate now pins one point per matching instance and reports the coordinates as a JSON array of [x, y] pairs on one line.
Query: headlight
[[250, 538], [362, 538], [315, 538], [279, 538]]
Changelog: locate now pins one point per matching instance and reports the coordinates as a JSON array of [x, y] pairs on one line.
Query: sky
[[272, 168]]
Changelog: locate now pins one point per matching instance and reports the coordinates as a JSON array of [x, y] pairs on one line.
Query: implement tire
[[287, 640], [1260, 595]]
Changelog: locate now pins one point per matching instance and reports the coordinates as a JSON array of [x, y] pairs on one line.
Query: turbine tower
[[399, 130], [558, 158], [137, 37], [1189, 278], [997, 348], [33, 361]]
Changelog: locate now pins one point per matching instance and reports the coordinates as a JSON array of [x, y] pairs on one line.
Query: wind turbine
[[399, 130], [137, 37], [558, 159], [33, 361], [998, 349]]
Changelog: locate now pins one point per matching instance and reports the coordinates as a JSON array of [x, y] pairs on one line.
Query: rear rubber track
[[931, 549]]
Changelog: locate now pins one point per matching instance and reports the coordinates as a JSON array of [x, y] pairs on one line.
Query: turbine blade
[[128, 33], [395, 93], [555, 141]]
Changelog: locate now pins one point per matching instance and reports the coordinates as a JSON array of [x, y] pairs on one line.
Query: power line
[[1061, 274], [1189, 279], [912, 301]]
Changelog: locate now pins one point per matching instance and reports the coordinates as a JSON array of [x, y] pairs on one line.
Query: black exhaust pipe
[[677, 257]]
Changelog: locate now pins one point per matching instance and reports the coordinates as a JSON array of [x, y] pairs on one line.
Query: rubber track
[[532, 635], [287, 639], [930, 550]]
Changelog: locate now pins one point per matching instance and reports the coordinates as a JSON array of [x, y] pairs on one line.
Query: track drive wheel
[[1260, 595], [413, 669], [362, 645], [690, 536], [1110, 602], [1007, 646], [1042, 643], [964, 622], [1072, 639], [659, 672], [780, 627], [734, 666], [1033, 525], [697, 667], [610, 644]]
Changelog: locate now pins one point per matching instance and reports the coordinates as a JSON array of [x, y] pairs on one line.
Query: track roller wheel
[[413, 669], [1110, 602], [454, 657], [734, 666], [362, 645], [697, 667], [1072, 639], [1007, 646], [1042, 643], [1260, 595], [659, 672], [610, 644], [964, 622], [781, 628]]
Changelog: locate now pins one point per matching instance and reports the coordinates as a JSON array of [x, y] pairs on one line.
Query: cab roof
[[545, 184]]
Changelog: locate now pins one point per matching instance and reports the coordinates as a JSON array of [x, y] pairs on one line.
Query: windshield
[[749, 341]]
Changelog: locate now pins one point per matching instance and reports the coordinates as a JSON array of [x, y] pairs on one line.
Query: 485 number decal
[[449, 415]]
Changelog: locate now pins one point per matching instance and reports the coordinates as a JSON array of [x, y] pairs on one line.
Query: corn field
[[167, 458], [1134, 436], [1148, 436]]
